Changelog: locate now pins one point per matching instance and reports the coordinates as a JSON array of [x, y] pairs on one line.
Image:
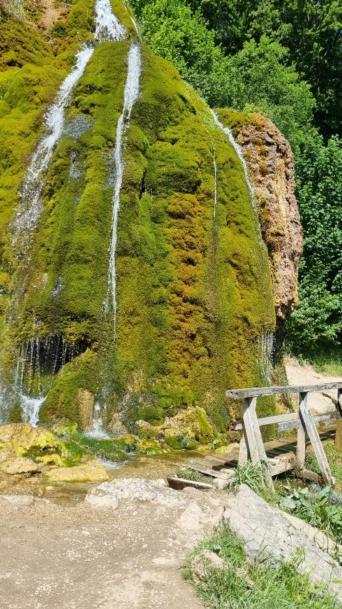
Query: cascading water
[[131, 94], [97, 430], [266, 346], [215, 185], [107, 28], [238, 151], [30, 205]]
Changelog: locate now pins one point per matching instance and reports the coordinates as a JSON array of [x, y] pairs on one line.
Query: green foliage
[[256, 477], [258, 78], [317, 324], [310, 30], [320, 509], [241, 585], [180, 36]]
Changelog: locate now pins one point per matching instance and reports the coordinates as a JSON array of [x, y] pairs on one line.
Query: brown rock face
[[270, 163]]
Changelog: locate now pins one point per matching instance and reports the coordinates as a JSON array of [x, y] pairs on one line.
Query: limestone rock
[[25, 440], [206, 561], [86, 408], [271, 166], [135, 489], [270, 535], [20, 465], [18, 501], [93, 471]]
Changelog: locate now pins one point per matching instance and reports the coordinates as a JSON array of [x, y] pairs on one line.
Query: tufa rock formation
[[271, 167], [193, 301]]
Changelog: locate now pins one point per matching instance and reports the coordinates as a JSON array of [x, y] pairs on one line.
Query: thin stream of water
[[131, 94], [107, 27]]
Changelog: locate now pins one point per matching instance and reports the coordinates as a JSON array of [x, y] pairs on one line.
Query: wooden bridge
[[279, 455]]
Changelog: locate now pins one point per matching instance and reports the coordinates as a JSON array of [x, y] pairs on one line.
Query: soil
[[55, 556], [298, 374]]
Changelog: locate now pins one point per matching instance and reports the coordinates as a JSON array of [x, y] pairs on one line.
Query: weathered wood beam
[[289, 417], [310, 428], [252, 392]]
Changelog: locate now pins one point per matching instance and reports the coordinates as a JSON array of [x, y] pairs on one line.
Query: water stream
[[215, 185], [238, 151], [131, 94], [107, 28]]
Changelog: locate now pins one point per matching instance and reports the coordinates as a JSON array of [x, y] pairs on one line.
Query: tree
[[259, 77], [310, 29], [176, 34], [318, 320]]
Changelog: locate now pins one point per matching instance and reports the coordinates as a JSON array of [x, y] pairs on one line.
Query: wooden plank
[[250, 422], [271, 420], [257, 391], [283, 463], [313, 434], [207, 471], [180, 483], [307, 474]]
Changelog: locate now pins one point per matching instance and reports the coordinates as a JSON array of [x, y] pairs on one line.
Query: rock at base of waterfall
[[17, 501], [25, 440], [20, 465], [271, 536], [93, 471]]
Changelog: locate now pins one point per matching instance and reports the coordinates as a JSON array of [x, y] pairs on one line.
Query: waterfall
[[30, 204], [131, 94], [97, 430], [215, 185], [266, 346], [107, 27], [238, 151]]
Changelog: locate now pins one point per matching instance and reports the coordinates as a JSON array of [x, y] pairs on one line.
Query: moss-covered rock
[[193, 280]]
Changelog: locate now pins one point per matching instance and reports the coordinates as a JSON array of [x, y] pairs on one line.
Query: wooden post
[[301, 435], [339, 400], [255, 443], [315, 440]]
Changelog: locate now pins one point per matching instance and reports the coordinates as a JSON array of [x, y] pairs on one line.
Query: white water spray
[[30, 206], [238, 151], [97, 430], [131, 94], [108, 27]]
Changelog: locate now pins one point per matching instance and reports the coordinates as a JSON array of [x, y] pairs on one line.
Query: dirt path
[[81, 557], [307, 375]]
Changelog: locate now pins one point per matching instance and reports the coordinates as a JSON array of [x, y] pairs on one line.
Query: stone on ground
[[20, 465], [270, 536], [93, 471]]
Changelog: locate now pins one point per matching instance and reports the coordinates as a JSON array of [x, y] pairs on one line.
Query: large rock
[[271, 166], [20, 465], [93, 471], [111, 493], [22, 438], [271, 535]]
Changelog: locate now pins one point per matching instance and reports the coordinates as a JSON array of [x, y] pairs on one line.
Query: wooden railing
[[252, 445]]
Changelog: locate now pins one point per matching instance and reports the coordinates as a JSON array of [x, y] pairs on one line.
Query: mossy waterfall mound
[[193, 283]]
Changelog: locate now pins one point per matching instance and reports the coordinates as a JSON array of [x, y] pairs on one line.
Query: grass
[[255, 477], [326, 362], [244, 586], [335, 461]]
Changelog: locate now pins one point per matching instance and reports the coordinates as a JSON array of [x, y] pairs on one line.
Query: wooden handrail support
[[252, 445]]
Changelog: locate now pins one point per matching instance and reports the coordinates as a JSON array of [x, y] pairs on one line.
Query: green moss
[[193, 288]]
